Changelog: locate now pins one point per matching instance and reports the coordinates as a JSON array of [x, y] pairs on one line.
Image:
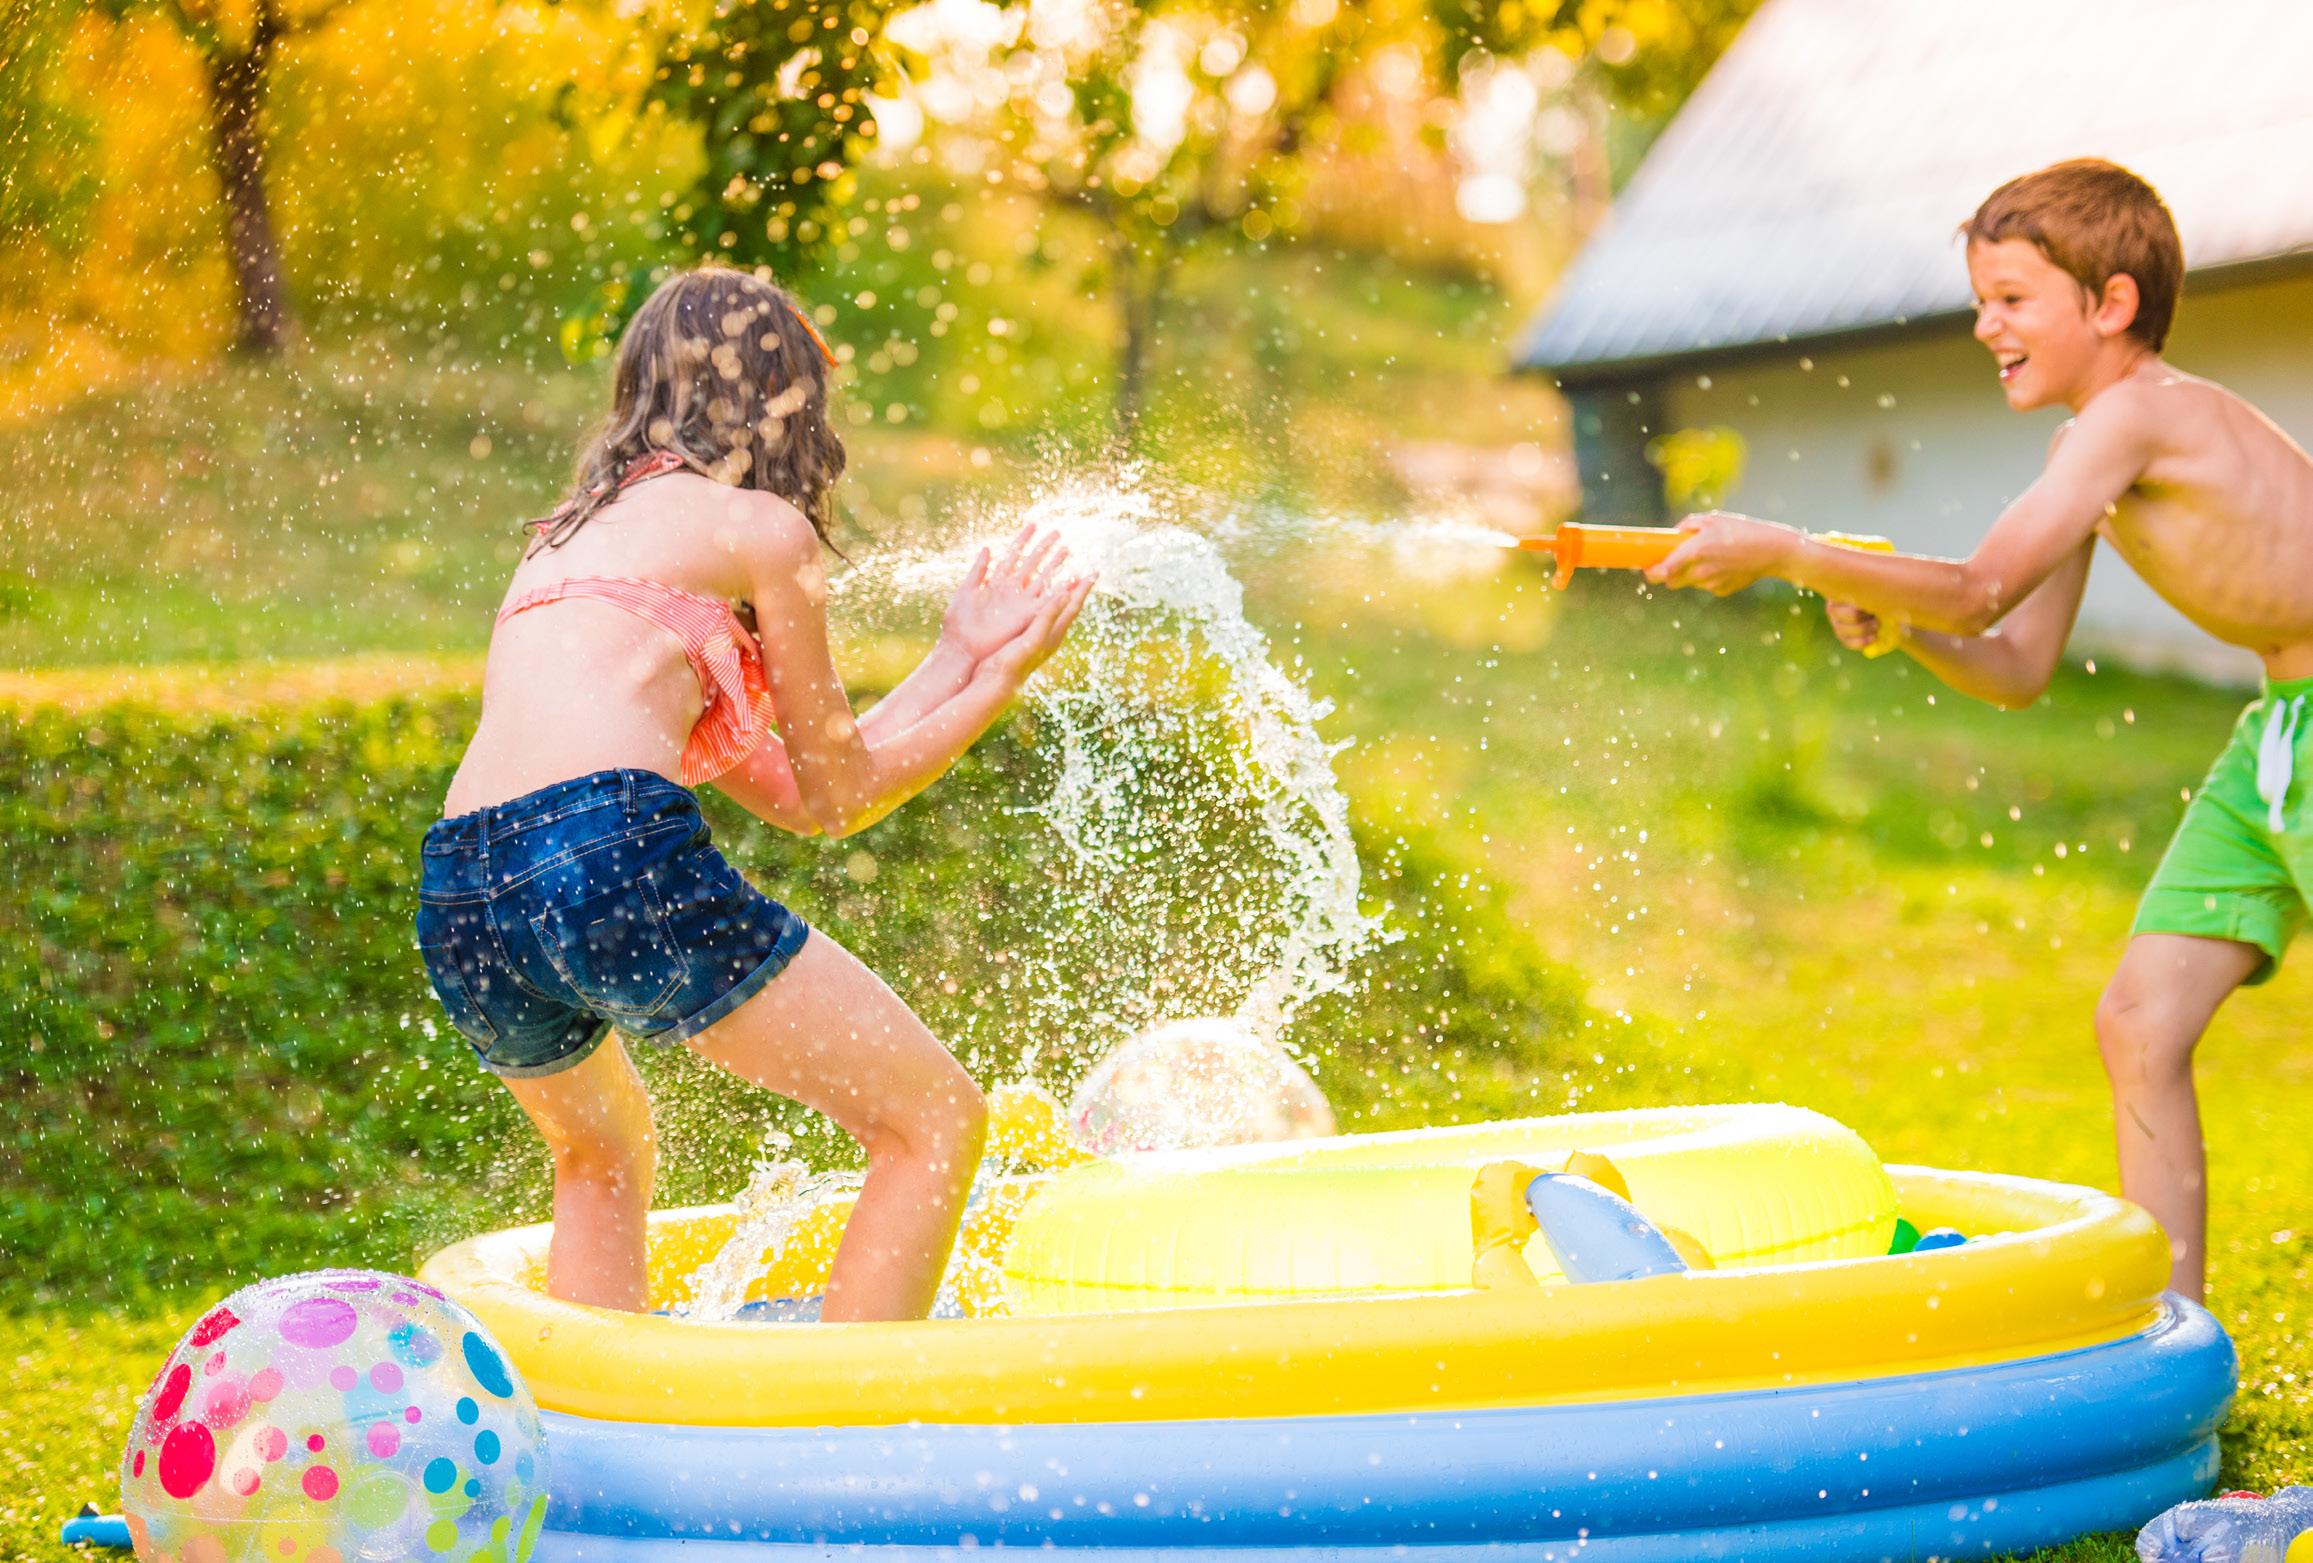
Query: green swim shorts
[[2241, 866]]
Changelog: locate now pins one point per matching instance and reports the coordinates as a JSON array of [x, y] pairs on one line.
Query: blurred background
[[306, 304]]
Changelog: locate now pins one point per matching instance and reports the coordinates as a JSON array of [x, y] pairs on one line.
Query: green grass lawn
[[1643, 851]]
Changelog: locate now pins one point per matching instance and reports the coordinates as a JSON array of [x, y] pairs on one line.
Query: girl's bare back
[[579, 686]]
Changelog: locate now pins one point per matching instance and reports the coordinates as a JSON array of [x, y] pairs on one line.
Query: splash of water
[[1209, 867], [779, 1198], [1205, 863]]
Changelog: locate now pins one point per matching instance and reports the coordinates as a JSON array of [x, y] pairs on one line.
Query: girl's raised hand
[[1025, 652], [1001, 596]]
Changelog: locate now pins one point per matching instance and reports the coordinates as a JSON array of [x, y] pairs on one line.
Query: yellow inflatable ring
[[1750, 1185], [2060, 1268]]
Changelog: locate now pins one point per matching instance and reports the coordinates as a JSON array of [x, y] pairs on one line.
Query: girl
[[572, 885]]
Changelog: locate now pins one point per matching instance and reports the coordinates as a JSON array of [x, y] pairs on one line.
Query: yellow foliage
[[472, 154], [1700, 467]]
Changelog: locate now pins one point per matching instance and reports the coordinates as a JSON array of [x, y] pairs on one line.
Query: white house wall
[[1910, 438]]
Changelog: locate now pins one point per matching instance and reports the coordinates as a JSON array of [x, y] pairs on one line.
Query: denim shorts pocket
[[615, 950], [457, 995]]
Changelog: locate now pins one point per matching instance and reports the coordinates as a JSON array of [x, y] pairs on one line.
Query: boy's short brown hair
[[2093, 220]]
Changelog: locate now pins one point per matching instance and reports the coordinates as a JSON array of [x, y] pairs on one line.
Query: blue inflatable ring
[[1960, 1463]]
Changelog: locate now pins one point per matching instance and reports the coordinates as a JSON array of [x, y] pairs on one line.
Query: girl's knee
[[617, 1147], [947, 1125]]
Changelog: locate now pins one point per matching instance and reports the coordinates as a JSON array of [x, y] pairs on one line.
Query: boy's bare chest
[[2240, 569]]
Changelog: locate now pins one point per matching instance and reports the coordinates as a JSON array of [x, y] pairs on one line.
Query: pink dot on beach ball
[[315, 1442], [265, 1383], [413, 1415], [384, 1440], [318, 1322], [137, 1466], [245, 1481], [212, 1328], [187, 1458], [385, 1378], [320, 1483], [272, 1443], [343, 1377], [224, 1402], [172, 1396], [216, 1365], [288, 1545]]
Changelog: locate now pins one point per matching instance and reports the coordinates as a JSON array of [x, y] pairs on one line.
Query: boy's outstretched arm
[[2091, 465], [2008, 667]]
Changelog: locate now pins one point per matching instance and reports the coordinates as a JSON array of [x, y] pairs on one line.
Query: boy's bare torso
[[2221, 521]]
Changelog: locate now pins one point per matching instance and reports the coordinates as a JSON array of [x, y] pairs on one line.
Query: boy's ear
[[2115, 310]]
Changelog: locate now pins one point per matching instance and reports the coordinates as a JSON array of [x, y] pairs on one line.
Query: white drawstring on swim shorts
[[2277, 757]]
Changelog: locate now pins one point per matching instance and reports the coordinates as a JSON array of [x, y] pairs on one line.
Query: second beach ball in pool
[[335, 1416], [1192, 1083]]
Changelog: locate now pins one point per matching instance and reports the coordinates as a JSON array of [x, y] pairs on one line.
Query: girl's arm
[[2009, 666], [764, 785], [846, 777], [994, 603]]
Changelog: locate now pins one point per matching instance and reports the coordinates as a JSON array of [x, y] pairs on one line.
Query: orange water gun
[[1579, 546]]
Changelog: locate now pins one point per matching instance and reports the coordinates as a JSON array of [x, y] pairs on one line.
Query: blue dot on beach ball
[[524, 1468], [468, 1412], [473, 1487], [488, 1368], [440, 1473], [486, 1447]]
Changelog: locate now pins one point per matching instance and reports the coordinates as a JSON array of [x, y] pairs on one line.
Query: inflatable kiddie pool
[[1282, 1351]]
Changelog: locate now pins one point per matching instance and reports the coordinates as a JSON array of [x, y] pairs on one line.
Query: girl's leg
[[828, 1033], [596, 1118], [2147, 1024]]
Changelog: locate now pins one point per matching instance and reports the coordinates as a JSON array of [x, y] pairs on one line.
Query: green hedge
[[231, 1064]]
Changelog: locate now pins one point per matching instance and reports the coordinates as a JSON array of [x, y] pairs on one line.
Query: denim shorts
[[595, 902]]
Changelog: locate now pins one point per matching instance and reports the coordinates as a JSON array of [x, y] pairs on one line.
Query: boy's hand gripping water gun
[[1577, 546]]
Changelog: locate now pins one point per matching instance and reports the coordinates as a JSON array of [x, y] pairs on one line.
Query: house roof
[[1812, 184]]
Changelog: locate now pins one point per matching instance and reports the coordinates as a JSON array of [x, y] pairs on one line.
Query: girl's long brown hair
[[719, 367]]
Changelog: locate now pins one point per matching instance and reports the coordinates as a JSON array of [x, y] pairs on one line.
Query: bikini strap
[[650, 464]]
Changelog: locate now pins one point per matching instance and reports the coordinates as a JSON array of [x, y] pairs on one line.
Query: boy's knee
[[2138, 1035]]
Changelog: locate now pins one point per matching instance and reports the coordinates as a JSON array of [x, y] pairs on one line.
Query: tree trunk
[[1141, 284], [236, 102]]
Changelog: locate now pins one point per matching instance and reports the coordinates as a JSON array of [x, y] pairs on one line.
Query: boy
[[2075, 271]]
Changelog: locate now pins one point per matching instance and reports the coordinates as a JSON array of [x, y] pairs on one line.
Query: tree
[[1648, 54], [1643, 56], [1166, 120], [778, 90], [238, 42], [44, 185]]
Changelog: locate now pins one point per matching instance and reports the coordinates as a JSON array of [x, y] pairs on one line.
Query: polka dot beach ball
[[335, 1416]]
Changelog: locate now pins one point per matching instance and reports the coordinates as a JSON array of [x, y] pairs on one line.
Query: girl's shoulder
[[699, 525]]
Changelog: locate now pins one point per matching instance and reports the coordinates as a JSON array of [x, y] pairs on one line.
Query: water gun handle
[[1890, 634]]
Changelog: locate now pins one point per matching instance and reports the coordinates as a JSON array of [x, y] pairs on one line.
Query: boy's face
[[2034, 318]]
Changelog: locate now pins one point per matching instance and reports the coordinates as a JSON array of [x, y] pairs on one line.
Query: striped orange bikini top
[[735, 716]]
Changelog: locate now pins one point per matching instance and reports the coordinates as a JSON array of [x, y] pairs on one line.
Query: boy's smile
[[2034, 318]]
